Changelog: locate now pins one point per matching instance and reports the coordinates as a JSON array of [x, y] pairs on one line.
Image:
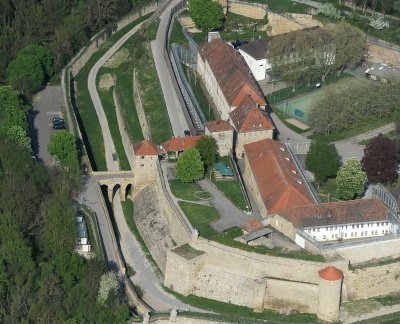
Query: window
[[387, 223], [383, 232], [352, 234], [362, 225], [377, 224], [362, 233], [331, 229], [142, 157], [332, 236], [324, 237], [326, 229], [142, 165], [355, 234], [352, 226], [313, 230], [318, 229]]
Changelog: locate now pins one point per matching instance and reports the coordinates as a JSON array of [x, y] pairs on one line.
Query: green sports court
[[300, 107]]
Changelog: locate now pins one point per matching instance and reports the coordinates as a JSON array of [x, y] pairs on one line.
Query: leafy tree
[[12, 115], [190, 167], [351, 180], [43, 55], [25, 74], [323, 160], [18, 135], [62, 147], [207, 147], [329, 10], [380, 161], [206, 14], [108, 283]]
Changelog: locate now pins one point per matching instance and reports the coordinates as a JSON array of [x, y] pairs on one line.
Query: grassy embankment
[[86, 109], [200, 217]]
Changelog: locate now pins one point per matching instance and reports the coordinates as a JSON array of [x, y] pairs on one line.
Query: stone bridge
[[115, 181]]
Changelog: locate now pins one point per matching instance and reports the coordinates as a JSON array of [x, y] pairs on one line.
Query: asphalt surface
[[174, 107], [46, 105]]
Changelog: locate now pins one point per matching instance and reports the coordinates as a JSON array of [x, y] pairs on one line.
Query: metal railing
[[299, 166], [380, 192], [239, 177], [190, 99]]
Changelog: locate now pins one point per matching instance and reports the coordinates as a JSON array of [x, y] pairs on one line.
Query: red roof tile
[[231, 72], [180, 143], [331, 273], [252, 225], [145, 148], [278, 180], [247, 118], [218, 126], [336, 213]]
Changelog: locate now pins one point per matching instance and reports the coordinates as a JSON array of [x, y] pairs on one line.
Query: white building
[[343, 220], [83, 239], [254, 54]]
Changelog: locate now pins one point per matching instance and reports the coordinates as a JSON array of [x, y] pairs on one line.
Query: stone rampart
[[251, 10], [375, 280]]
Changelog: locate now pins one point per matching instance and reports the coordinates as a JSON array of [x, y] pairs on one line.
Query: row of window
[[355, 234], [334, 228]]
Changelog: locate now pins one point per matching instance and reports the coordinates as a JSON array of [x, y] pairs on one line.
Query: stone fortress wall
[[260, 281]]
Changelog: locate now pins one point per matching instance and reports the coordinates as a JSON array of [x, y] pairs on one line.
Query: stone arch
[[111, 193], [128, 191]]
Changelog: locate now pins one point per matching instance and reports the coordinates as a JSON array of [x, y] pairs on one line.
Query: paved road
[[46, 105], [285, 132], [112, 165], [230, 215], [350, 148], [174, 107]]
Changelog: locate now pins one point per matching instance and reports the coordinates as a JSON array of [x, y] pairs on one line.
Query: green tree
[[207, 147], [323, 160], [13, 124], [62, 147], [351, 180], [190, 167], [25, 74], [206, 14], [43, 55]]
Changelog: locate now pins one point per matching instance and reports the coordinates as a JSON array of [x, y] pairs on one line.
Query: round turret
[[329, 291]]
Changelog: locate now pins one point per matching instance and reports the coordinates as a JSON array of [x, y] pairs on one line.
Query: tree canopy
[[351, 180], [190, 167], [206, 14], [323, 160], [380, 160], [42, 279], [207, 147]]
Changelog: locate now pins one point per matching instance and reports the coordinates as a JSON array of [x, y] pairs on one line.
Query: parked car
[[58, 119], [186, 133], [58, 125]]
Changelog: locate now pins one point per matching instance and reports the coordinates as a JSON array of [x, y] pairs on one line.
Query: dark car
[[58, 125], [58, 120], [186, 133]]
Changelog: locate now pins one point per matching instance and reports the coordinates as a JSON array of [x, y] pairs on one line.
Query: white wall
[[257, 67], [349, 231]]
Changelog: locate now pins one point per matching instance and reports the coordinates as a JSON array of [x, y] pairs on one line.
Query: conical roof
[[331, 273]]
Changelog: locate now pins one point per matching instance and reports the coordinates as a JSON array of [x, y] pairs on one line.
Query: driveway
[[174, 107], [46, 105]]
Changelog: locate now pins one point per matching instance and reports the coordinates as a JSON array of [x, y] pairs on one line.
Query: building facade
[[222, 132]]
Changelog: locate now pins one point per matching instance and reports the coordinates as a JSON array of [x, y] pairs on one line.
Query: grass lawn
[[187, 191], [283, 5], [241, 314], [177, 35], [362, 306], [325, 188], [392, 318], [199, 92], [94, 235], [107, 101], [241, 27], [85, 106], [200, 216], [227, 238], [359, 129], [128, 209]]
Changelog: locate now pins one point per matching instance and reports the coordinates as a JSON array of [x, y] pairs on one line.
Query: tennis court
[[300, 107]]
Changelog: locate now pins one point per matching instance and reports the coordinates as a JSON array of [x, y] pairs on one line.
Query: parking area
[[46, 104]]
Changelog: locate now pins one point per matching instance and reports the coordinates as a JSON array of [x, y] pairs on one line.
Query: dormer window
[[287, 159], [295, 172], [260, 125], [254, 125], [299, 181], [282, 149]]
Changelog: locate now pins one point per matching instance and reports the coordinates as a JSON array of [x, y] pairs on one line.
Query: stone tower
[[329, 292]]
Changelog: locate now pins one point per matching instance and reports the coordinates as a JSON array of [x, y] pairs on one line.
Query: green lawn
[[241, 314], [195, 83], [86, 109], [392, 318], [94, 235], [177, 35], [325, 188], [187, 191], [200, 216], [107, 101]]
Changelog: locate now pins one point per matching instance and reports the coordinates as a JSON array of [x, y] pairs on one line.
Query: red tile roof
[[331, 273], [218, 126], [180, 143], [252, 225], [335, 213], [145, 148], [278, 180], [247, 118], [231, 72]]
